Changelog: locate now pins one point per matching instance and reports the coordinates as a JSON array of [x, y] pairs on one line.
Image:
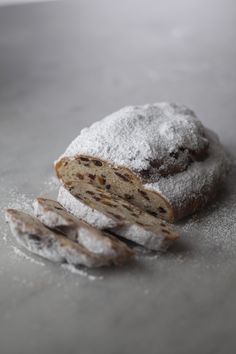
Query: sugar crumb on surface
[[83, 273], [18, 252]]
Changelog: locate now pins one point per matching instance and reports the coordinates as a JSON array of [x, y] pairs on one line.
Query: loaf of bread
[[158, 158], [35, 237], [133, 232], [53, 215]]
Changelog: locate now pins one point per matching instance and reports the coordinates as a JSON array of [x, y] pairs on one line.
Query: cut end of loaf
[[117, 180]]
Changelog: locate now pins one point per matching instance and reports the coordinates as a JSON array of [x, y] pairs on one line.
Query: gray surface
[[62, 66]]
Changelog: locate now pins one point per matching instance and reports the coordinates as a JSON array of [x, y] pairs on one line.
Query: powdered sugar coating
[[142, 237], [200, 179], [136, 135]]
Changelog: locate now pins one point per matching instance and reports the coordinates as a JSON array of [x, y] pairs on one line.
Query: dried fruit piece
[[97, 162], [79, 175], [92, 176], [124, 177], [102, 180]]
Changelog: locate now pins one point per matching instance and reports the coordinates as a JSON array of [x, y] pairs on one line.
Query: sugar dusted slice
[[52, 214], [133, 232], [121, 211], [35, 237], [117, 180]]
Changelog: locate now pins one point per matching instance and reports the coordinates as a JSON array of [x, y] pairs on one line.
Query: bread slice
[[133, 232], [35, 237], [120, 210], [53, 215], [119, 181]]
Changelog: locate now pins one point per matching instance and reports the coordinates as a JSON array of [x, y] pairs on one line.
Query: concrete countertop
[[64, 65]]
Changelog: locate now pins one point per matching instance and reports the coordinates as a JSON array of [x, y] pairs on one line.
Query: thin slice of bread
[[52, 214], [37, 238], [133, 232], [117, 180], [121, 210]]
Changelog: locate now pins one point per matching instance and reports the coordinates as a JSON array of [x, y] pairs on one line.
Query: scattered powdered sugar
[[4, 234], [21, 254], [19, 200], [51, 184], [209, 236], [136, 135], [81, 272], [214, 228]]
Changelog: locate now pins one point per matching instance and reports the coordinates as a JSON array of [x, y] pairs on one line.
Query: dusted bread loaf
[[159, 158]]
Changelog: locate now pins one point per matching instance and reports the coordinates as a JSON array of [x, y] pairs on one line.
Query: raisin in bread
[[53, 215], [158, 157], [132, 232]]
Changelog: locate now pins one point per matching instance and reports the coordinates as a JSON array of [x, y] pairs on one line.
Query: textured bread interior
[[118, 181]]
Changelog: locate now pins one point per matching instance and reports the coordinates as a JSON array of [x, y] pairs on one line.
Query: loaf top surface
[[138, 136]]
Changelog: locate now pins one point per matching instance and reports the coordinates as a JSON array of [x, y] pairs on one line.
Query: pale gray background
[[64, 65]]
